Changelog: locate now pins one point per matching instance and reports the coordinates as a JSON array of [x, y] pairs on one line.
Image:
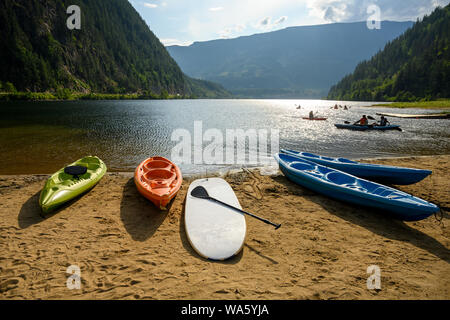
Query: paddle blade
[[200, 192], [370, 117]]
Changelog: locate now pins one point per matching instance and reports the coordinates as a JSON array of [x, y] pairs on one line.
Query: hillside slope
[[414, 66], [114, 52], [293, 62]]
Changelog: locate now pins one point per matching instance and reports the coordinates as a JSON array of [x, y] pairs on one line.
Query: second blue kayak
[[345, 187], [377, 172]]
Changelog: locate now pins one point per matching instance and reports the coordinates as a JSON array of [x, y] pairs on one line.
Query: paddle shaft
[[248, 213]]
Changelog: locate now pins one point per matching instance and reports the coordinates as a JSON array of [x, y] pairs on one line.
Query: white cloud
[[206, 20], [150, 5], [266, 24], [200, 24], [280, 20], [227, 32], [216, 9], [174, 42], [239, 27], [263, 24], [356, 10]]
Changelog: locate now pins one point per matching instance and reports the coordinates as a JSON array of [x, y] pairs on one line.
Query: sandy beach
[[127, 249]]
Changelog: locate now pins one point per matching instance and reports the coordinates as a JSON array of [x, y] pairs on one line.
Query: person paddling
[[311, 115], [383, 121], [362, 122]]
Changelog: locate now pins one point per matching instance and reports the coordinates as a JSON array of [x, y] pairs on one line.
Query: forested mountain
[[296, 62], [414, 66], [113, 52]]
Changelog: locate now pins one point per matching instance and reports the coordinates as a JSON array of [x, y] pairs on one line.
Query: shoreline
[[426, 105], [48, 97], [222, 173], [128, 249]]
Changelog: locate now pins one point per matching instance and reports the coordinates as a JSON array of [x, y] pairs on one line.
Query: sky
[[182, 22]]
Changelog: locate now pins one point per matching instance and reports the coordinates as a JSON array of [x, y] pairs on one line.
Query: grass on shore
[[47, 96], [437, 104]]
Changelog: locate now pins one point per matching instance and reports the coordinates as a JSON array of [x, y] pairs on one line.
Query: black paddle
[[353, 124], [368, 117], [201, 193], [356, 124]]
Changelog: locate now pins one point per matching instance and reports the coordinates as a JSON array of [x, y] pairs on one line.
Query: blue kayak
[[365, 128], [377, 172], [345, 187]]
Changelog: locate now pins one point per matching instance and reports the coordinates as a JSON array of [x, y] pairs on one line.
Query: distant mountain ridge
[[114, 52], [414, 66], [293, 62]]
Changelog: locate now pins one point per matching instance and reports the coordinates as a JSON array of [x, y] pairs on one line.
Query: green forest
[[113, 53], [413, 67]]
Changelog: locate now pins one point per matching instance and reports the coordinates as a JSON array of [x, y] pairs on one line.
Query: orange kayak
[[158, 179]]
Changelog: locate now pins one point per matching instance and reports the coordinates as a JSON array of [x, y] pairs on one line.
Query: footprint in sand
[[252, 189], [9, 284]]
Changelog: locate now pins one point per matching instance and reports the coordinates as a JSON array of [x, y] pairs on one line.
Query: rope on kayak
[[439, 217]]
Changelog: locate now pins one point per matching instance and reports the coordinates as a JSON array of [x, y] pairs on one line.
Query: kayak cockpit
[[318, 157], [307, 154], [344, 160], [311, 169]]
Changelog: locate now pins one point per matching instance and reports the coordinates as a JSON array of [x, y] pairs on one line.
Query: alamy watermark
[[374, 281], [235, 146], [74, 281], [74, 21], [374, 19]]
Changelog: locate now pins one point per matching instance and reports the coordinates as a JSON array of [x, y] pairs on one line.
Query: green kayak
[[67, 184]]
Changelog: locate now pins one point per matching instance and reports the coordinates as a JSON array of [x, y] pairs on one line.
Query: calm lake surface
[[42, 137]]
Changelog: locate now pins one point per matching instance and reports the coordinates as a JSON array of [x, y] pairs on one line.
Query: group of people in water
[[340, 107], [335, 107], [364, 121]]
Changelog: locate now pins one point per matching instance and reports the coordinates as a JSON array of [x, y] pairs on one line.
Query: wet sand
[[127, 249]]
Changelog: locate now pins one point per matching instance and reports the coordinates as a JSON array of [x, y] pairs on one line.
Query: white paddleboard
[[215, 231]]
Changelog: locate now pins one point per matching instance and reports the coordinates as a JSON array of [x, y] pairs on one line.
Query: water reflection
[[40, 137]]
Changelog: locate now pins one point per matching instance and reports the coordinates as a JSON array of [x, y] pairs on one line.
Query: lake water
[[42, 137]]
